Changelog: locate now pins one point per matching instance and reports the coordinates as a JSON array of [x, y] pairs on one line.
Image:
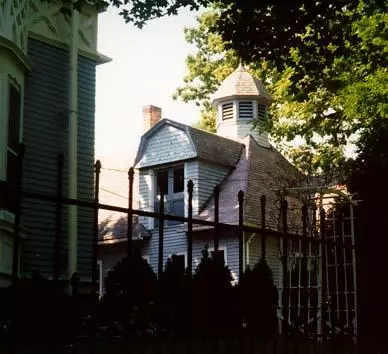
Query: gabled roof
[[260, 171], [208, 147], [115, 230], [241, 84]]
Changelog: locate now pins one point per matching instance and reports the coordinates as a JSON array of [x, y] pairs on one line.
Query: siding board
[[45, 135]]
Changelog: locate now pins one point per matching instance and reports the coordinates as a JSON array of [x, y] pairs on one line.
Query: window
[[261, 112], [14, 110], [179, 180], [245, 110], [13, 117], [173, 182], [162, 182], [227, 110]]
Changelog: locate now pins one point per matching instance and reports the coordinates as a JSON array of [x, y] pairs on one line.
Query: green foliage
[[130, 297], [129, 271], [214, 306], [325, 68], [259, 299], [174, 298]]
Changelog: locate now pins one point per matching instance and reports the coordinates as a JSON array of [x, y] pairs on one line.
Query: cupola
[[240, 100]]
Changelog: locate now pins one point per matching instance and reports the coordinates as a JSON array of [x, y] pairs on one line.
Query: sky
[[147, 66]]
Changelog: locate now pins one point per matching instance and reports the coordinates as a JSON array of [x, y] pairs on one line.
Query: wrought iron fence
[[317, 295]]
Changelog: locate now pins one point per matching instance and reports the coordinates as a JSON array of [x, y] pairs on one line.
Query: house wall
[[208, 177], [272, 253], [45, 135], [175, 242]]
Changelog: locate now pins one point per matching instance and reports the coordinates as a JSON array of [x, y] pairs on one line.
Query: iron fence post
[[285, 297], [325, 294], [97, 171], [130, 211], [263, 201], [190, 186], [304, 270], [161, 230], [216, 218], [58, 216], [240, 234]]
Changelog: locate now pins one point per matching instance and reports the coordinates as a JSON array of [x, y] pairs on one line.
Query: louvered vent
[[261, 112], [227, 110], [245, 110]]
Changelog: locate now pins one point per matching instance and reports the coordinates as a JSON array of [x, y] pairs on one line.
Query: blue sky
[[147, 66]]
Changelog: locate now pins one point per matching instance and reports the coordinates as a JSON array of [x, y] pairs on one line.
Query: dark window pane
[[162, 181], [261, 112], [13, 118], [245, 110], [176, 207], [179, 180]]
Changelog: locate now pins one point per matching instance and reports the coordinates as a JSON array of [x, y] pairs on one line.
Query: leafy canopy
[[324, 64]]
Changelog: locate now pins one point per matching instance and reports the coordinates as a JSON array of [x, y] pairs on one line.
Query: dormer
[[241, 100]]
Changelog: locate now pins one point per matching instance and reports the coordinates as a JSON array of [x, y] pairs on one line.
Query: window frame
[[12, 82], [170, 196]]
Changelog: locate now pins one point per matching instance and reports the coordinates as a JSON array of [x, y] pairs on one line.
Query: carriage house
[[238, 157]]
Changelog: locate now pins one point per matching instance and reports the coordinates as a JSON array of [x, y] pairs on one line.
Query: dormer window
[[172, 180], [227, 111], [245, 110]]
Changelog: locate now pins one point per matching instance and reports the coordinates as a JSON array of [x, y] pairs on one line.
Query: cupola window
[[227, 111], [245, 110], [261, 112]]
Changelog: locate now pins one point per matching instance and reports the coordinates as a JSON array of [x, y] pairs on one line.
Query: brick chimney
[[151, 116]]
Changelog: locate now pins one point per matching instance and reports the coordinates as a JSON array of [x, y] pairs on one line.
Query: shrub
[[214, 299], [129, 304], [259, 298]]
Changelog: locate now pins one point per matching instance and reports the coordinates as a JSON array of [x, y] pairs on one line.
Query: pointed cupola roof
[[240, 84]]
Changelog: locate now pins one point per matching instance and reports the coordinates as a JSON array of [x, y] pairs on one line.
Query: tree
[[368, 180], [310, 67]]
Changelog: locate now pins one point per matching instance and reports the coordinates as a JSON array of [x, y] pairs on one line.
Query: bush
[[175, 298], [129, 304], [259, 299], [214, 298]]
